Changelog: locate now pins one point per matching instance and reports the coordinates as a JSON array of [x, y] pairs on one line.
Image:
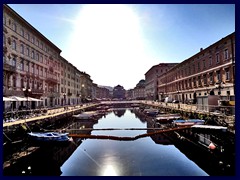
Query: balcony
[[51, 80], [69, 94], [11, 92], [37, 91], [9, 68]]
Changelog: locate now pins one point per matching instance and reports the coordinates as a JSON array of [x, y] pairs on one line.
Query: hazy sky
[[118, 44]]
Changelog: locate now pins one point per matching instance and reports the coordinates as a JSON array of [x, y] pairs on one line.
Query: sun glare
[[104, 35], [109, 171]]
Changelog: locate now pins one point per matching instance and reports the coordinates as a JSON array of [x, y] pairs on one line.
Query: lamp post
[[27, 92], [219, 86], [82, 92]]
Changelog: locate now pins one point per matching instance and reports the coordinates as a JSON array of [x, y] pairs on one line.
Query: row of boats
[[174, 119]]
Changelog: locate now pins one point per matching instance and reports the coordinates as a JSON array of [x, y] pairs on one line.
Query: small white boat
[[167, 118], [188, 122], [48, 136], [86, 115]]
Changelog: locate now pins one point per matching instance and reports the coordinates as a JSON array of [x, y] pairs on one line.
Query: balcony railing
[[37, 91], [52, 80], [12, 92], [9, 67]]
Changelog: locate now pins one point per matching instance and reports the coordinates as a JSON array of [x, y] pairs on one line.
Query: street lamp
[[219, 86], [82, 92], [27, 92]]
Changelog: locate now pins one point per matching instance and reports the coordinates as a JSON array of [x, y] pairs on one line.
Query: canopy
[[8, 99], [33, 99], [16, 98]]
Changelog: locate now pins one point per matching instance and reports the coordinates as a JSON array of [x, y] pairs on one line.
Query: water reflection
[[46, 160], [145, 156]]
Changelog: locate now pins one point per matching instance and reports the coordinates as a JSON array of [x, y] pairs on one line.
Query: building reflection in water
[[45, 161]]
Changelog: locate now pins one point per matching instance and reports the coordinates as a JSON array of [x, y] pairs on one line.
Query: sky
[[118, 43]]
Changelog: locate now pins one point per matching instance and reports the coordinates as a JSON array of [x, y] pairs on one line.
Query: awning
[[16, 98], [33, 99], [8, 99]]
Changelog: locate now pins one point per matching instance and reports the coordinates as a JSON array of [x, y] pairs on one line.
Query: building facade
[[119, 92], [30, 61], [209, 72], [33, 67], [151, 79], [139, 90]]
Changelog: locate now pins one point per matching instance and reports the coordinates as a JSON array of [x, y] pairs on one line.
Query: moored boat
[[86, 115], [48, 137], [188, 122], [167, 118]]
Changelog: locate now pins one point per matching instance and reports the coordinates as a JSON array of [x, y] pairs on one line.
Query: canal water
[[148, 156]]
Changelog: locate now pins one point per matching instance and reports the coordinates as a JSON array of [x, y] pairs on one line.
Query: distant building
[[151, 83], [119, 92], [139, 90]]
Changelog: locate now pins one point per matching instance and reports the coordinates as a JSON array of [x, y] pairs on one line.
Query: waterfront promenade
[[50, 113]]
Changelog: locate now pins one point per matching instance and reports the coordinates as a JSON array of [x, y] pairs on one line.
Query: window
[[211, 77], [28, 36], [32, 69], [37, 42], [41, 58], [227, 74], [14, 45], [218, 76], [204, 64], [27, 67], [199, 81], [226, 54], [37, 70], [33, 40], [37, 56], [210, 61], [28, 52], [22, 32], [22, 48], [33, 55], [14, 27], [41, 71], [198, 66], [205, 79], [21, 67], [14, 62], [217, 58]]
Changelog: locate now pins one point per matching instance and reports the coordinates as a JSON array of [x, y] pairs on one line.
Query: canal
[[155, 155], [141, 157]]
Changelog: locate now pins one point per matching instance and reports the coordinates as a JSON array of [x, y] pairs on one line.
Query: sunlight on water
[[109, 171]]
